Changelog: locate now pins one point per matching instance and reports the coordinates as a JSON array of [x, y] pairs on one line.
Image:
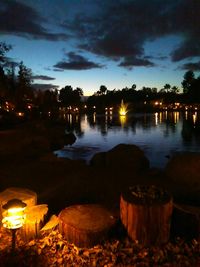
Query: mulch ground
[[51, 249]]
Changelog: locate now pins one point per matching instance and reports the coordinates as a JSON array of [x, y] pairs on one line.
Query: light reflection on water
[[158, 134]]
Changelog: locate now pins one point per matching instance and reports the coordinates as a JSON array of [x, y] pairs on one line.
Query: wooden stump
[[145, 212], [35, 216], [186, 221], [24, 194], [85, 225]]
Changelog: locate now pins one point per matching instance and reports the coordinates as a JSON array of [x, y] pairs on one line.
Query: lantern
[[13, 216]]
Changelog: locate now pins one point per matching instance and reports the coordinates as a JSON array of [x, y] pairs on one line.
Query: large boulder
[[123, 156], [183, 172]]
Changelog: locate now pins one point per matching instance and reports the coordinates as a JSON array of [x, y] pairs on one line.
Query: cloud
[[120, 29], [76, 62], [130, 62], [187, 21], [22, 20], [191, 66], [44, 87], [42, 77], [188, 49]]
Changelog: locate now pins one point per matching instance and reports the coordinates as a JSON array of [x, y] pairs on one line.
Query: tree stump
[[145, 212], [186, 221], [34, 221], [24, 194], [85, 225]]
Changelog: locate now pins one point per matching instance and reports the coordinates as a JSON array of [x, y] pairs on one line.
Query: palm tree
[[103, 89], [167, 87], [175, 89]]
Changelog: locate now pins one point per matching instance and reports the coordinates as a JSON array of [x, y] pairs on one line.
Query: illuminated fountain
[[123, 109]]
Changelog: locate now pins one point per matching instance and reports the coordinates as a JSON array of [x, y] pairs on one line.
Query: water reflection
[[159, 134]]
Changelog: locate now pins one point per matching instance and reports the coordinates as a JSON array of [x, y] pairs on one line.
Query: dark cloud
[[188, 23], [156, 57], [188, 49], [191, 66], [76, 62], [130, 62], [118, 29], [44, 87], [19, 19], [42, 77]]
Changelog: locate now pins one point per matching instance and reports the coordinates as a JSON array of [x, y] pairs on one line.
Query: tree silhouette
[[174, 89], [24, 91], [167, 87], [70, 97], [188, 81], [103, 89]]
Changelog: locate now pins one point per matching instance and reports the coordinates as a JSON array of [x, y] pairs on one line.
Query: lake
[[159, 134]]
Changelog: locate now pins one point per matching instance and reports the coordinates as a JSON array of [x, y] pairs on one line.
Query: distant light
[[123, 109], [20, 114]]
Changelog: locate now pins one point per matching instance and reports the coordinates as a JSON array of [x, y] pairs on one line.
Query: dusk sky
[[116, 43]]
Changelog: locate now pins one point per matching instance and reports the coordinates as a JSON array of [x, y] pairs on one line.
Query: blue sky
[[89, 43]]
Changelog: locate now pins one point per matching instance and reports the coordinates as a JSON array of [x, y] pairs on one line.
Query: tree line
[[16, 88]]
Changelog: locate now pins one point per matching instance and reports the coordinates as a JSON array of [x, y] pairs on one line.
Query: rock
[[98, 160], [122, 156], [70, 139], [183, 171]]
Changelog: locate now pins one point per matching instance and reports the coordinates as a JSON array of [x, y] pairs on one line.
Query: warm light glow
[[194, 117], [20, 114], [123, 120], [176, 117], [156, 118], [123, 109], [13, 216]]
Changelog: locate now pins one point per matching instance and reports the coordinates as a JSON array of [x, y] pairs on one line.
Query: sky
[[116, 43]]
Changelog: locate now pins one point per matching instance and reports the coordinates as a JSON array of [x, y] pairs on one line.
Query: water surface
[[159, 134]]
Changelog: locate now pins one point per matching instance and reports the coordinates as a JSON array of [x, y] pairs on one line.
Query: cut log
[[145, 212], [85, 225], [186, 221], [51, 224], [27, 196], [35, 217]]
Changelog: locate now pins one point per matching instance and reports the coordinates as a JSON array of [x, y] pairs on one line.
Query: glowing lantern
[[13, 216]]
